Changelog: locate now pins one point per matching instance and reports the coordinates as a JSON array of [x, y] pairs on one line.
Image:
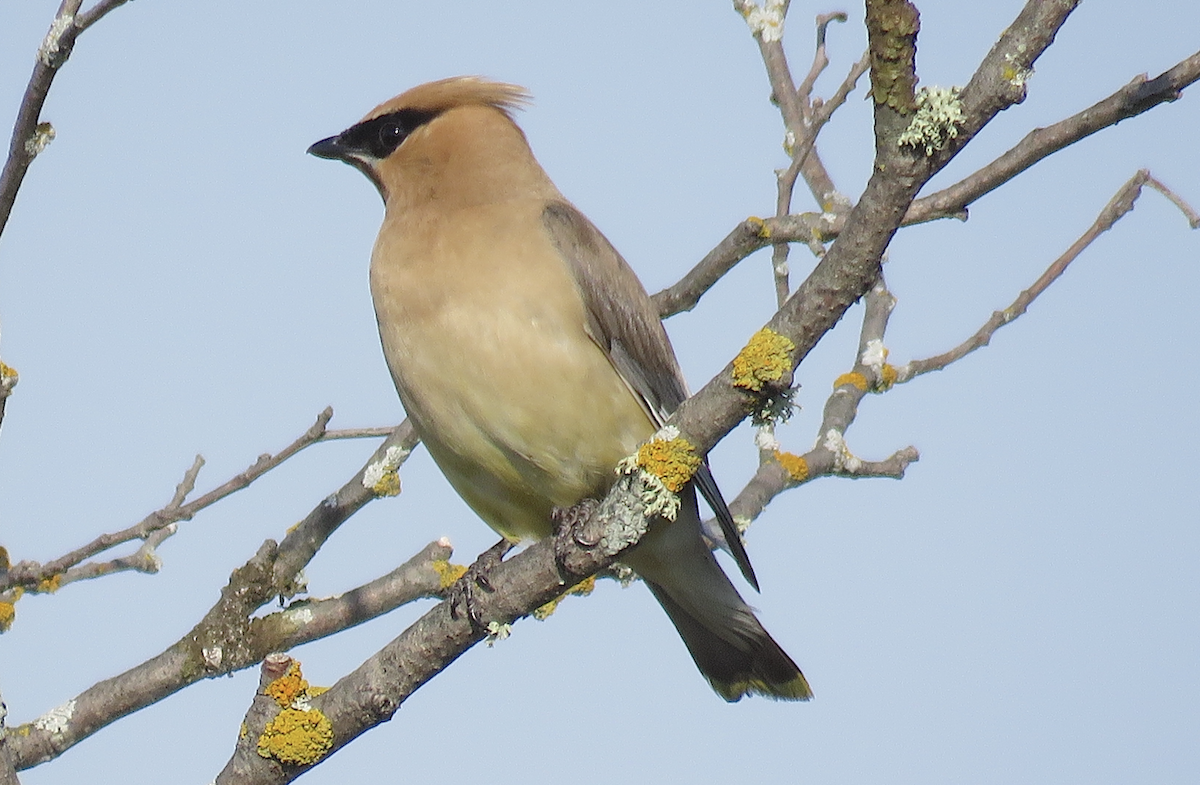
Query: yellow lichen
[[448, 574], [5, 563], [583, 589], [296, 737], [673, 461], [887, 378], [388, 484], [760, 227], [8, 374], [289, 686], [49, 585], [315, 691], [8, 614], [766, 358], [243, 731], [854, 379], [794, 465]]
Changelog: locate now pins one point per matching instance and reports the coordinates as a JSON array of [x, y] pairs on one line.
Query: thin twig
[[785, 95], [1121, 203], [28, 137], [97, 12], [66, 569], [357, 433], [800, 143], [746, 238]]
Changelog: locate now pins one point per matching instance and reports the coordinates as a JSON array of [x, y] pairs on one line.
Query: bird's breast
[[484, 332]]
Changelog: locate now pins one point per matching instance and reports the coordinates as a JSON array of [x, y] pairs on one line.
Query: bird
[[530, 358]]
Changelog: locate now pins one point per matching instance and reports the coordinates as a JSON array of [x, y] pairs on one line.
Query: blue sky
[[179, 277]]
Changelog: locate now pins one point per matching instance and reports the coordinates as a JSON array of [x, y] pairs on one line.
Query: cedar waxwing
[[530, 358]]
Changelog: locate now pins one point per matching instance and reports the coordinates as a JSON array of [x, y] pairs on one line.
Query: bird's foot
[[462, 595], [571, 531]]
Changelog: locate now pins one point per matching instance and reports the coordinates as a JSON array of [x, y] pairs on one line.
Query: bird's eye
[[390, 134]]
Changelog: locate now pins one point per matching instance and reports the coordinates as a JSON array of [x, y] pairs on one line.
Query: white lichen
[[1017, 74], [39, 140], [57, 720], [380, 477], [764, 438], [656, 498], [665, 434], [843, 459], [212, 656], [299, 616], [623, 573], [874, 356], [765, 21], [937, 119], [497, 631], [151, 562], [300, 582], [49, 52]]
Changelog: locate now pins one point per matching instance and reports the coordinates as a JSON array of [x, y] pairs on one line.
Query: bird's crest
[[437, 97]]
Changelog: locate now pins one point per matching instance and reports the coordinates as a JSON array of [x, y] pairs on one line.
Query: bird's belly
[[519, 408]]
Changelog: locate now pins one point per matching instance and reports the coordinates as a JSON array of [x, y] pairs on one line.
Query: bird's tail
[[728, 643]]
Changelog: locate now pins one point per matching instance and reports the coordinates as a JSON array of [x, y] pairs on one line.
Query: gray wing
[[624, 323]]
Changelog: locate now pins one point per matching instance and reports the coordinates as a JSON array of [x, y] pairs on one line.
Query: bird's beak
[[336, 149], [331, 148]]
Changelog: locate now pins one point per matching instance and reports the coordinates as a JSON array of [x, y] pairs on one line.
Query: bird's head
[[440, 140]]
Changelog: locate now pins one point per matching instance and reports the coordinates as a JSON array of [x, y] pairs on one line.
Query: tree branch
[[753, 234], [229, 638], [1121, 204], [374, 691], [1138, 96]]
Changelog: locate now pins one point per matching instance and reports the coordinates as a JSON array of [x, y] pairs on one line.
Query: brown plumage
[[529, 356]]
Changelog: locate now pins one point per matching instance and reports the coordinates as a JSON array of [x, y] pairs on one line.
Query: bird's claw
[[462, 594], [570, 531]]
